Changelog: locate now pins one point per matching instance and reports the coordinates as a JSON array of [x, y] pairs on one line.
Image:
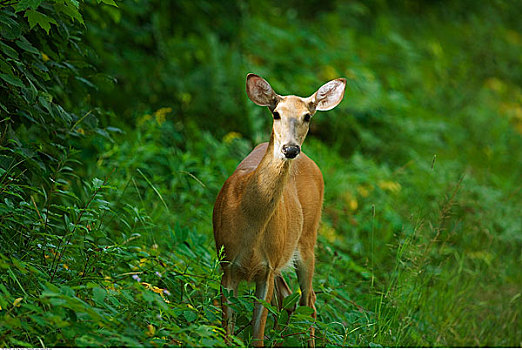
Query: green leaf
[[74, 3], [290, 301], [190, 316], [51, 289], [283, 317], [98, 295], [108, 2], [21, 343], [12, 80], [24, 44], [66, 290], [148, 296], [304, 310], [71, 11], [35, 17], [8, 50], [45, 104], [86, 341], [30, 93], [268, 306], [10, 28], [57, 301], [97, 183], [86, 82], [25, 4]]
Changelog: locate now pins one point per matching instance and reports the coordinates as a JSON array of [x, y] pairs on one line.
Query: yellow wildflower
[[364, 191], [390, 186], [157, 290], [143, 119], [328, 232], [17, 302], [150, 330], [495, 84], [513, 37], [350, 74], [231, 136], [351, 201], [329, 72], [161, 113]]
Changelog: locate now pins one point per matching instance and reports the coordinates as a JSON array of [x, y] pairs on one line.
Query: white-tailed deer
[[267, 213]]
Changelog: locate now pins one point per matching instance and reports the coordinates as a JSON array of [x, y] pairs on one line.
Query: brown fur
[[267, 213], [261, 229]]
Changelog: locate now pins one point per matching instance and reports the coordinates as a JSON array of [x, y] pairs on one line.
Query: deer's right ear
[[260, 92]]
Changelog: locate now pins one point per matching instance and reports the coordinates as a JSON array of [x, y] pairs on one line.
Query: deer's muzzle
[[291, 151]]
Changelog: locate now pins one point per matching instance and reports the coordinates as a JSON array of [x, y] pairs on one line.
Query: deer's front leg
[[229, 283], [264, 291], [305, 273]]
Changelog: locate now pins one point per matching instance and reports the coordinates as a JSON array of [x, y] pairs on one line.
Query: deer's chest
[[283, 231]]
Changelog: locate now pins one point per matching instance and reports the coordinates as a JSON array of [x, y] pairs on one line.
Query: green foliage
[[119, 123]]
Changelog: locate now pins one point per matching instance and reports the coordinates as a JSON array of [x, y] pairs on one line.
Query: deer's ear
[[329, 95], [260, 92]]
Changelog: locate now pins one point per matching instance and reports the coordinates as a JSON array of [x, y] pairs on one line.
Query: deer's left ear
[[329, 95]]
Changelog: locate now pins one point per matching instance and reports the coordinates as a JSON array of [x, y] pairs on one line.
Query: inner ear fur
[[329, 95], [260, 92]]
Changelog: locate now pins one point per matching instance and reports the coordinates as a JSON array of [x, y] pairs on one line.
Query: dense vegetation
[[119, 122]]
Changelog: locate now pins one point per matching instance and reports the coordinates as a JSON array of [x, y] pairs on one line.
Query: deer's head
[[292, 114]]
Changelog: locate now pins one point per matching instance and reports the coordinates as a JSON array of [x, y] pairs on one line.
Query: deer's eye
[[306, 117], [276, 116]]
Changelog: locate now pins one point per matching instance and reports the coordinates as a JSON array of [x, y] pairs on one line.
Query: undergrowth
[[106, 193]]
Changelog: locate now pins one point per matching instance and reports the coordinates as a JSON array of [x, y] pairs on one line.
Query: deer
[[266, 215]]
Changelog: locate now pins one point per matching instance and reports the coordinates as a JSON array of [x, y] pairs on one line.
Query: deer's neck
[[267, 184]]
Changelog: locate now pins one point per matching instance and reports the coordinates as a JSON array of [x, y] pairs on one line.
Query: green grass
[[389, 271]]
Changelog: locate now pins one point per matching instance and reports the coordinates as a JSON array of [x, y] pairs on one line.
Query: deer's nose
[[291, 151]]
